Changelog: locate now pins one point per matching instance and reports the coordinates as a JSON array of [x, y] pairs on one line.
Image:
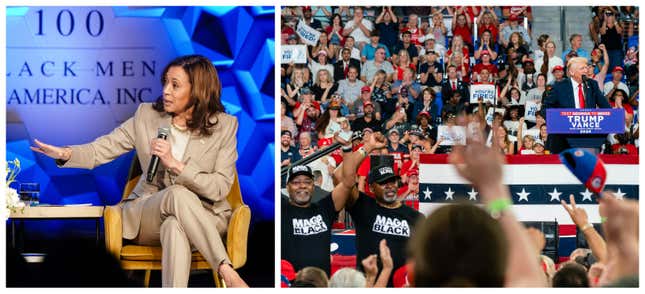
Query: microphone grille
[[163, 131]]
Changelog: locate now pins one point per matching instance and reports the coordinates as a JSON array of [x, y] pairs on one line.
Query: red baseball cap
[[413, 172], [366, 89], [617, 68], [485, 52], [366, 103], [528, 60], [287, 270], [557, 67], [513, 17]]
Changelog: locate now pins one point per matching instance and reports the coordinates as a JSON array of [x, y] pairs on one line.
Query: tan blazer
[[209, 170]]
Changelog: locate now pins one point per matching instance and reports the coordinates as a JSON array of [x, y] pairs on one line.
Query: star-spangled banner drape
[[537, 184]]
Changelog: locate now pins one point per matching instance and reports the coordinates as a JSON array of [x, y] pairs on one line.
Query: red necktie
[[454, 86], [581, 96]]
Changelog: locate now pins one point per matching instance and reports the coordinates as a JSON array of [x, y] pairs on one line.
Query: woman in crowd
[[487, 21], [438, 28], [522, 49], [425, 103], [536, 93], [287, 123], [598, 68], [335, 31], [327, 126], [323, 44], [299, 79], [545, 64], [404, 62], [506, 146], [457, 46], [324, 86], [487, 43]]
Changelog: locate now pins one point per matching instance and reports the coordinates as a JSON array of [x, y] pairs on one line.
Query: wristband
[[586, 227], [362, 151], [603, 219], [346, 149], [497, 206]]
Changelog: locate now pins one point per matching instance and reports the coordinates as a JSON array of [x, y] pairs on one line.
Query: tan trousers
[[176, 219]]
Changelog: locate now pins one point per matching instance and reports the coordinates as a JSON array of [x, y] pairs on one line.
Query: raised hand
[[478, 163], [537, 238], [52, 151], [369, 265], [386, 257], [375, 141], [577, 214]]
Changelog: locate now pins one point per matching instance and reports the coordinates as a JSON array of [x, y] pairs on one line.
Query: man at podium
[[575, 91]]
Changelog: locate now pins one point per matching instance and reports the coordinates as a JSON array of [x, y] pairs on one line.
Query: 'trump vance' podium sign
[[582, 121]]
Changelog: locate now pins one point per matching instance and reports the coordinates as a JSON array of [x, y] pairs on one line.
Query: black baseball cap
[[297, 170], [381, 174], [286, 132]]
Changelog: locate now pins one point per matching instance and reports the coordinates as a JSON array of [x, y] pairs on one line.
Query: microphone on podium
[[585, 81], [162, 133]]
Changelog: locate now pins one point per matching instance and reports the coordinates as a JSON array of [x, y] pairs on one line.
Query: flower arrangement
[[13, 199]]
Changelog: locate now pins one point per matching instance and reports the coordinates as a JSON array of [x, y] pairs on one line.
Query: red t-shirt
[[492, 69], [315, 103], [464, 51], [493, 31], [628, 107], [631, 149], [464, 32], [415, 34], [409, 200], [400, 70], [470, 12]]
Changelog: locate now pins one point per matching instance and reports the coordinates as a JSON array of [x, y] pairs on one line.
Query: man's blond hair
[[573, 60]]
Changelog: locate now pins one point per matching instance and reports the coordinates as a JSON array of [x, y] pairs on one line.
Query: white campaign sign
[[451, 135], [308, 34], [486, 92], [489, 115], [530, 109], [294, 53]]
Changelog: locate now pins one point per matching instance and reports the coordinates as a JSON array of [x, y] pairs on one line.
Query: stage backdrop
[[75, 73]]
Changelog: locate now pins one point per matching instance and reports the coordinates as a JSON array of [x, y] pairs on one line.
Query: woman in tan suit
[[184, 207]]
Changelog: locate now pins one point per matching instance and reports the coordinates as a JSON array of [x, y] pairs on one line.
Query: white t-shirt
[[610, 85], [553, 61], [357, 33]]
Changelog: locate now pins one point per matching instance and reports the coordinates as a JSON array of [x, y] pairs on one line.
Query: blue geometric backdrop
[[239, 41]]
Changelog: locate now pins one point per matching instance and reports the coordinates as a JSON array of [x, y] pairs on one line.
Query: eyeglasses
[[301, 182]]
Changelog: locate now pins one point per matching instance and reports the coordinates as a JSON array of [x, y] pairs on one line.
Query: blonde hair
[[575, 60]]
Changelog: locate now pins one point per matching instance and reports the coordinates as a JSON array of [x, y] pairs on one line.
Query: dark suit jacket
[[339, 70], [562, 96], [446, 91]]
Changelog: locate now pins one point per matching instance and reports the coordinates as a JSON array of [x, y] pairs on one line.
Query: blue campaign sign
[[585, 121]]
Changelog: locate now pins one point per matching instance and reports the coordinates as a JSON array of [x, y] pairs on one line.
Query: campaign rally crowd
[[465, 81]]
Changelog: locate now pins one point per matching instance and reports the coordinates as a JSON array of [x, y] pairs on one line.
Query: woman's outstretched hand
[[55, 152]]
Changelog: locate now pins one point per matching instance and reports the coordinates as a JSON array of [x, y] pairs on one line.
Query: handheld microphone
[[162, 133]]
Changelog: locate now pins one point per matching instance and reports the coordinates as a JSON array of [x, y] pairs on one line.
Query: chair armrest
[[113, 228], [237, 237]]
